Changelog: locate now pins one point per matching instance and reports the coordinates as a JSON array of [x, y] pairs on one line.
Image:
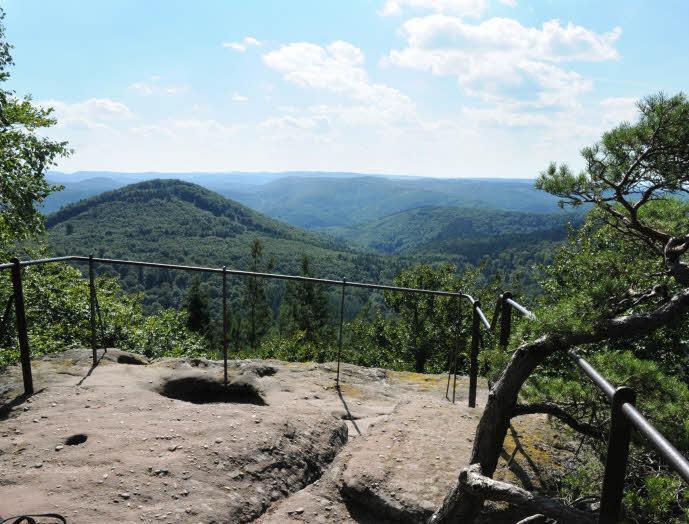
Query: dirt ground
[[129, 441]]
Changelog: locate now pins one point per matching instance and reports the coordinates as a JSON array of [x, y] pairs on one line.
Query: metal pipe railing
[[624, 417], [624, 414], [16, 265]]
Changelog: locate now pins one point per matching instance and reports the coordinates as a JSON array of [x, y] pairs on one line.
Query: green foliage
[[305, 308], [198, 314], [595, 275], [650, 154], [419, 332], [451, 229], [295, 347], [58, 317], [652, 491], [624, 260], [255, 299], [178, 222], [659, 493]]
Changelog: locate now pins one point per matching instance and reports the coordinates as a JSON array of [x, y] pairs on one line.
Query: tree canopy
[[618, 290]]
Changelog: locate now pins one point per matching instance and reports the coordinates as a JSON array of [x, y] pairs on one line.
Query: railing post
[[454, 372], [22, 333], [92, 307], [505, 320], [224, 323], [339, 347], [453, 357], [473, 362], [616, 461]]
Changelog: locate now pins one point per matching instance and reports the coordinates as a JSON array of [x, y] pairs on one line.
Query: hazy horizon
[[437, 88]]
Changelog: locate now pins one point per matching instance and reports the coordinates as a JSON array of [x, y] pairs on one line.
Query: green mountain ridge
[[315, 200], [428, 228], [179, 222], [321, 203]]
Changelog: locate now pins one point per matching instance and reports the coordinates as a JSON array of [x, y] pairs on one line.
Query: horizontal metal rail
[[624, 417], [664, 448], [480, 317], [237, 272], [40, 261], [521, 309], [593, 374], [654, 437]]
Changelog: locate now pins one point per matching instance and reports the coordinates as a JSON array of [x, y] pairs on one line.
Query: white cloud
[[509, 3], [248, 41], [153, 86], [500, 55], [472, 8], [338, 68], [236, 97], [92, 113]]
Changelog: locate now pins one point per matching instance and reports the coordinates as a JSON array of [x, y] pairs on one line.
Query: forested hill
[[213, 215], [316, 203], [179, 222], [321, 200], [442, 229]]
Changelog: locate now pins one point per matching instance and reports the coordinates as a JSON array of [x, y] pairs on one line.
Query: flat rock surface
[[282, 444]]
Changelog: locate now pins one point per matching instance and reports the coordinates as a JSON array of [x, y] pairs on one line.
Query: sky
[[443, 88]]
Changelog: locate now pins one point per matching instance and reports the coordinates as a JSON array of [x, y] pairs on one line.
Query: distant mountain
[[78, 190], [316, 203], [316, 200], [438, 228], [83, 184], [179, 222]]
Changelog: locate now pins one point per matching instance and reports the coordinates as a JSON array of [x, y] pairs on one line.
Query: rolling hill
[[318, 203], [318, 200], [439, 229], [179, 222]]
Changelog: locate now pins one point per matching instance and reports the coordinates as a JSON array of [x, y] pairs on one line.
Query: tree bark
[[476, 484], [462, 505]]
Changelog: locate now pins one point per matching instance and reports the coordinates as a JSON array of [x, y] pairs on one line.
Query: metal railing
[[623, 418], [22, 332], [624, 415]]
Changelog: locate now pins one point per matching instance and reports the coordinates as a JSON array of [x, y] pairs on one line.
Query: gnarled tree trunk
[[462, 505]]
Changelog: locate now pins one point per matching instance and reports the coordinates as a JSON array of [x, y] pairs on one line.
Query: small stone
[[125, 495], [218, 440], [38, 465], [58, 448]]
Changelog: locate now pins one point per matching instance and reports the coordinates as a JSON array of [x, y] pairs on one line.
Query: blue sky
[[473, 88]]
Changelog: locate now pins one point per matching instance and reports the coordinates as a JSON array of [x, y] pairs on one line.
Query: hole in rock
[[202, 390], [75, 440], [129, 359]]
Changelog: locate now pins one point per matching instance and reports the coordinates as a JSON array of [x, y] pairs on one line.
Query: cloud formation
[[473, 8], [499, 55], [241, 47], [93, 113], [338, 68]]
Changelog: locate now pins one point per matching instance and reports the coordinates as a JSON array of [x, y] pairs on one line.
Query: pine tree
[[255, 296], [306, 307], [198, 315]]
